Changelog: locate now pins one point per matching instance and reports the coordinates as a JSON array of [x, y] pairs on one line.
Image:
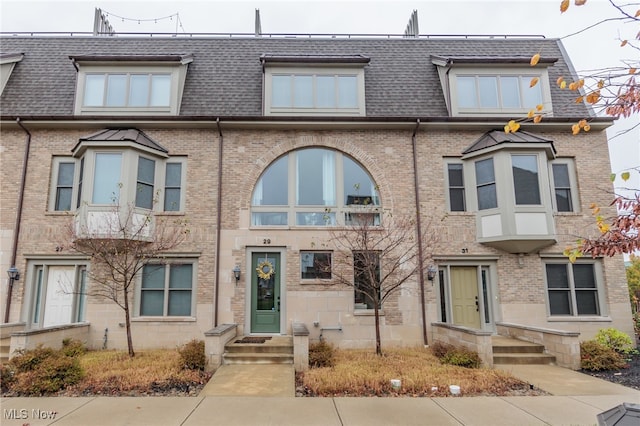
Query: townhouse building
[[265, 144]]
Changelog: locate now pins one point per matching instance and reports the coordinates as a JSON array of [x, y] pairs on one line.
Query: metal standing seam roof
[[122, 135], [225, 76], [499, 137]]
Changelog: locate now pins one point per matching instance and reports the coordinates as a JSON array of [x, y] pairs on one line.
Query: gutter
[[16, 233], [419, 232], [218, 223]]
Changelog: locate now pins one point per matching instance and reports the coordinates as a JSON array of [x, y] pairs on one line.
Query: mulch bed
[[629, 376]]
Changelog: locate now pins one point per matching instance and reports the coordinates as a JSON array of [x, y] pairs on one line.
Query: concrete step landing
[[275, 350], [514, 351]]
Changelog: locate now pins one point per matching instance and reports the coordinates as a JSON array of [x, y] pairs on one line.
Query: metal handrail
[[267, 35]]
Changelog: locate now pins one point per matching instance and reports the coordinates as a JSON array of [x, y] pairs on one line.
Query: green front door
[[265, 293]]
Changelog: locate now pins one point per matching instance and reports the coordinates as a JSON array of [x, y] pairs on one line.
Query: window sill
[[366, 312], [163, 213], [579, 319], [312, 281], [567, 214], [60, 213], [163, 319]]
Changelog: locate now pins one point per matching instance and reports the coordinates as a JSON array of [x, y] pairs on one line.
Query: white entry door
[[58, 307]]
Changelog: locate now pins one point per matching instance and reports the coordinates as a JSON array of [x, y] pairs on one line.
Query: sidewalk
[[577, 400]]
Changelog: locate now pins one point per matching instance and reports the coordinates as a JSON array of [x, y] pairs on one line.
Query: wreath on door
[[265, 270]]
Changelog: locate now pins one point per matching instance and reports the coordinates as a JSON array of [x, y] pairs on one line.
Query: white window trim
[[53, 184], [313, 70], [573, 182], [465, 186], [539, 175], [599, 278], [338, 212], [176, 71], [128, 178], [525, 72], [162, 184], [194, 294]]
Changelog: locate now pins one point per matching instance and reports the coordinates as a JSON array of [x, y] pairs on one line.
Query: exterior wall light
[[431, 272], [14, 274], [236, 273]]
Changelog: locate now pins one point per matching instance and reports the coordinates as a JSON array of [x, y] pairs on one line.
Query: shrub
[[44, 370], [615, 339], [192, 355], [440, 349], [595, 356], [462, 357], [321, 354], [73, 348], [7, 377], [28, 360], [453, 355]]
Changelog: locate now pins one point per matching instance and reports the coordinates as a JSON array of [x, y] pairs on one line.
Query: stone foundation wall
[[475, 340], [564, 345]]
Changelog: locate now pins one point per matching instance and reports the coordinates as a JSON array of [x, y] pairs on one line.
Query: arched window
[[313, 187]]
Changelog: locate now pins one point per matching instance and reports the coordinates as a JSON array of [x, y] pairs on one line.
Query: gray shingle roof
[[225, 77]]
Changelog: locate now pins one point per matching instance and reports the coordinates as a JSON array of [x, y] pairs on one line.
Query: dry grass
[[362, 373], [149, 372]]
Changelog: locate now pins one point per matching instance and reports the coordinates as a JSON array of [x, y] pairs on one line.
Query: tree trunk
[[376, 312], [127, 319]]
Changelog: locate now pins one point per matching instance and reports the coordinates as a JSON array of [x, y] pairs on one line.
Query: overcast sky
[[592, 49]]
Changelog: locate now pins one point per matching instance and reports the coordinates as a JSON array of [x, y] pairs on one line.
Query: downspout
[[218, 223], [419, 232], [16, 234]]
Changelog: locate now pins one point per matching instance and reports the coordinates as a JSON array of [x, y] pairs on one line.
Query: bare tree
[[120, 242], [377, 253]]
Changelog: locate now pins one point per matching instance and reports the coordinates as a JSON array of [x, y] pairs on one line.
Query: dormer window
[[314, 85], [127, 90], [7, 62], [479, 91], [494, 86], [142, 85]]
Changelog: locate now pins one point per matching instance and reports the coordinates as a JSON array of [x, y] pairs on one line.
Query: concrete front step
[[515, 358], [258, 348], [256, 358], [4, 353], [275, 350], [514, 351], [518, 348]]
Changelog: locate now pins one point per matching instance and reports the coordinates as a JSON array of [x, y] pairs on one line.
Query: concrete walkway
[[577, 400], [252, 380]]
